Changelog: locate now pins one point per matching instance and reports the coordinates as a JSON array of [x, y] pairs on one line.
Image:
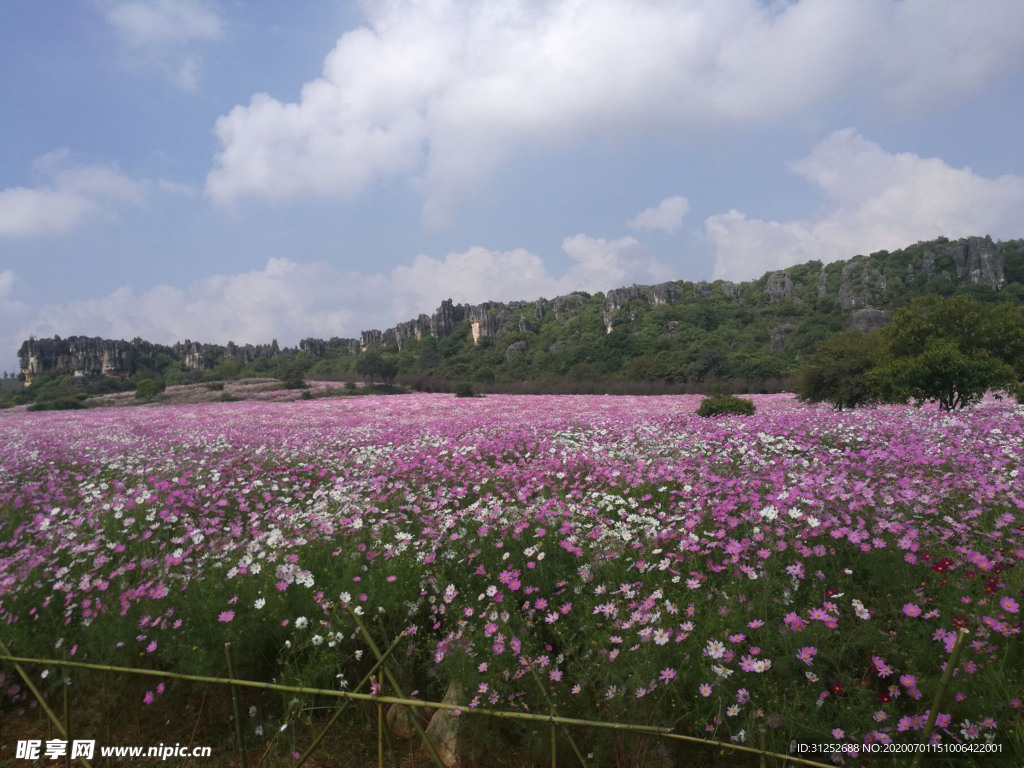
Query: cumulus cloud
[[165, 34], [288, 300], [877, 200], [13, 313], [66, 193], [666, 216], [441, 92]]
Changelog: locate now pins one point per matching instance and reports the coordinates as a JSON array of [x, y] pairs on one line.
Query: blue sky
[[233, 169]]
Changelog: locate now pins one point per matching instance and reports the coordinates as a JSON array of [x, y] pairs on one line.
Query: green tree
[[951, 351], [368, 365], [147, 389], [840, 371], [375, 366], [290, 373], [387, 370]]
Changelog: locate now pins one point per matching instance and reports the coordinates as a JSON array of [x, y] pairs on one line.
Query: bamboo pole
[[940, 694], [527, 716], [394, 684], [67, 716], [239, 734], [344, 705], [554, 711], [36, 692], [380, 735]]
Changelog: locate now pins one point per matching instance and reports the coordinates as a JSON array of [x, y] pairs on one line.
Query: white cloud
[[667, 215], [13, 313], [878, 200], [443, 91], [64, 195], [289, 300], [164, 34]]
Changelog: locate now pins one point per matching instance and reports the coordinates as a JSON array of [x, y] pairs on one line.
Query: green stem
[[554, 711], [947, 678], [39, 696], [239, 734], [344, 705], [394, 684]]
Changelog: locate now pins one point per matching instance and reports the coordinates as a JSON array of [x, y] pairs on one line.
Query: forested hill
[[676, 333]]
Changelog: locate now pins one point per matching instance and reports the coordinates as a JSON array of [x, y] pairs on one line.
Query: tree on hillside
[[951, 351]]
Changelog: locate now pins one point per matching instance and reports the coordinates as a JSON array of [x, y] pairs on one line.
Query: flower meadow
[[801, 572]]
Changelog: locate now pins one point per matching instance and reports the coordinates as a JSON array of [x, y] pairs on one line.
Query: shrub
[[350, 386], [58, 404], [227, 397], [721, 404], [147, 389], [291, 375], [465, 389], [215, 386]]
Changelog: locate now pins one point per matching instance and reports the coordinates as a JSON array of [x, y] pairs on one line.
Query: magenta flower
[[226, 616], [1009, 605], [912, 610], [667, 675], [148, 698], [806, 655]]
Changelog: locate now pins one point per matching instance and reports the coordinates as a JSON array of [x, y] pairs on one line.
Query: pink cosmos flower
[[806, 655], [912, 610], [1009, 605], [226, 616]]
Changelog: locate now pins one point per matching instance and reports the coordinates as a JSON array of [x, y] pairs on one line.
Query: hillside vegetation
[[673, 337]]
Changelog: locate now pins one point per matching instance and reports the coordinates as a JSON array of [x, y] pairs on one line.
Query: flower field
[[799, 572]]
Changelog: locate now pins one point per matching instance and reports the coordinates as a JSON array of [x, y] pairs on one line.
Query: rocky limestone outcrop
[[492, 319], [731, 289], [978, 260], [247, 353], [514, 349], [867, 319], [444, 320], [863, 284], [777, 336], [83, 356], [319, 347], [779, 286], [615, 299]]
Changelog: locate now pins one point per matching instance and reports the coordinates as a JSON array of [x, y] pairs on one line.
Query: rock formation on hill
[[861, 287]]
